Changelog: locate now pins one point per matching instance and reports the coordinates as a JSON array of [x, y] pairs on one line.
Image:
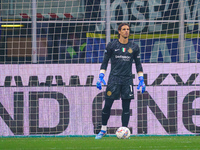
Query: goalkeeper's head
[[120, 28]]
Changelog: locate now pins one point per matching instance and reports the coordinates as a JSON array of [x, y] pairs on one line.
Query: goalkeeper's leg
[[106, 111], [125, 112], [105, 117]]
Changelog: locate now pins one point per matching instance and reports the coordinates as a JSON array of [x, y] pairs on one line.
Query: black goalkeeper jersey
[[122, 56]]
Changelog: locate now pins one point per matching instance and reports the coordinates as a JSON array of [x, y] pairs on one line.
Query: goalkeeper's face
[[124, 32]]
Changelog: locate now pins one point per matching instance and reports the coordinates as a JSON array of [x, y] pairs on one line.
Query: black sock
[[125, 112], [106, 111]]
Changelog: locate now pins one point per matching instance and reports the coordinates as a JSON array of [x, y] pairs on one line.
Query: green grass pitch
[[107, 143]]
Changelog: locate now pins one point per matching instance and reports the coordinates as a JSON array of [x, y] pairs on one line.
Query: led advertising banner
[[52, 99]]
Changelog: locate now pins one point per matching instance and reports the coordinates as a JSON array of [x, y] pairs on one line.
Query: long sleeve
[[138, 64], [107, 56]]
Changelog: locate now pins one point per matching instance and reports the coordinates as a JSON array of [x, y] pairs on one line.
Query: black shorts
[[119, 86]]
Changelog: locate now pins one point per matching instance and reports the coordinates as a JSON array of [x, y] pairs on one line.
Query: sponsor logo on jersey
[[116, 49], [123, 49], [130, 50], [109, 93], [121, 56], [125, 58]]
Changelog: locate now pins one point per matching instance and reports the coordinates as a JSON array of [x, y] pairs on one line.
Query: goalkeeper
[[122, 52]]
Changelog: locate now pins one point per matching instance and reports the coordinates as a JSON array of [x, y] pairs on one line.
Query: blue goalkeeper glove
[[100, 81], [141, 84]]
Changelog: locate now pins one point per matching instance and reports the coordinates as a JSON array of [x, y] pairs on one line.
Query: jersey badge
[[123, 49], [130, 50], [109, 93]]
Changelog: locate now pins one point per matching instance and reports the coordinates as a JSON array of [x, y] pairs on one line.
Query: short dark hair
[[120, 27]]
